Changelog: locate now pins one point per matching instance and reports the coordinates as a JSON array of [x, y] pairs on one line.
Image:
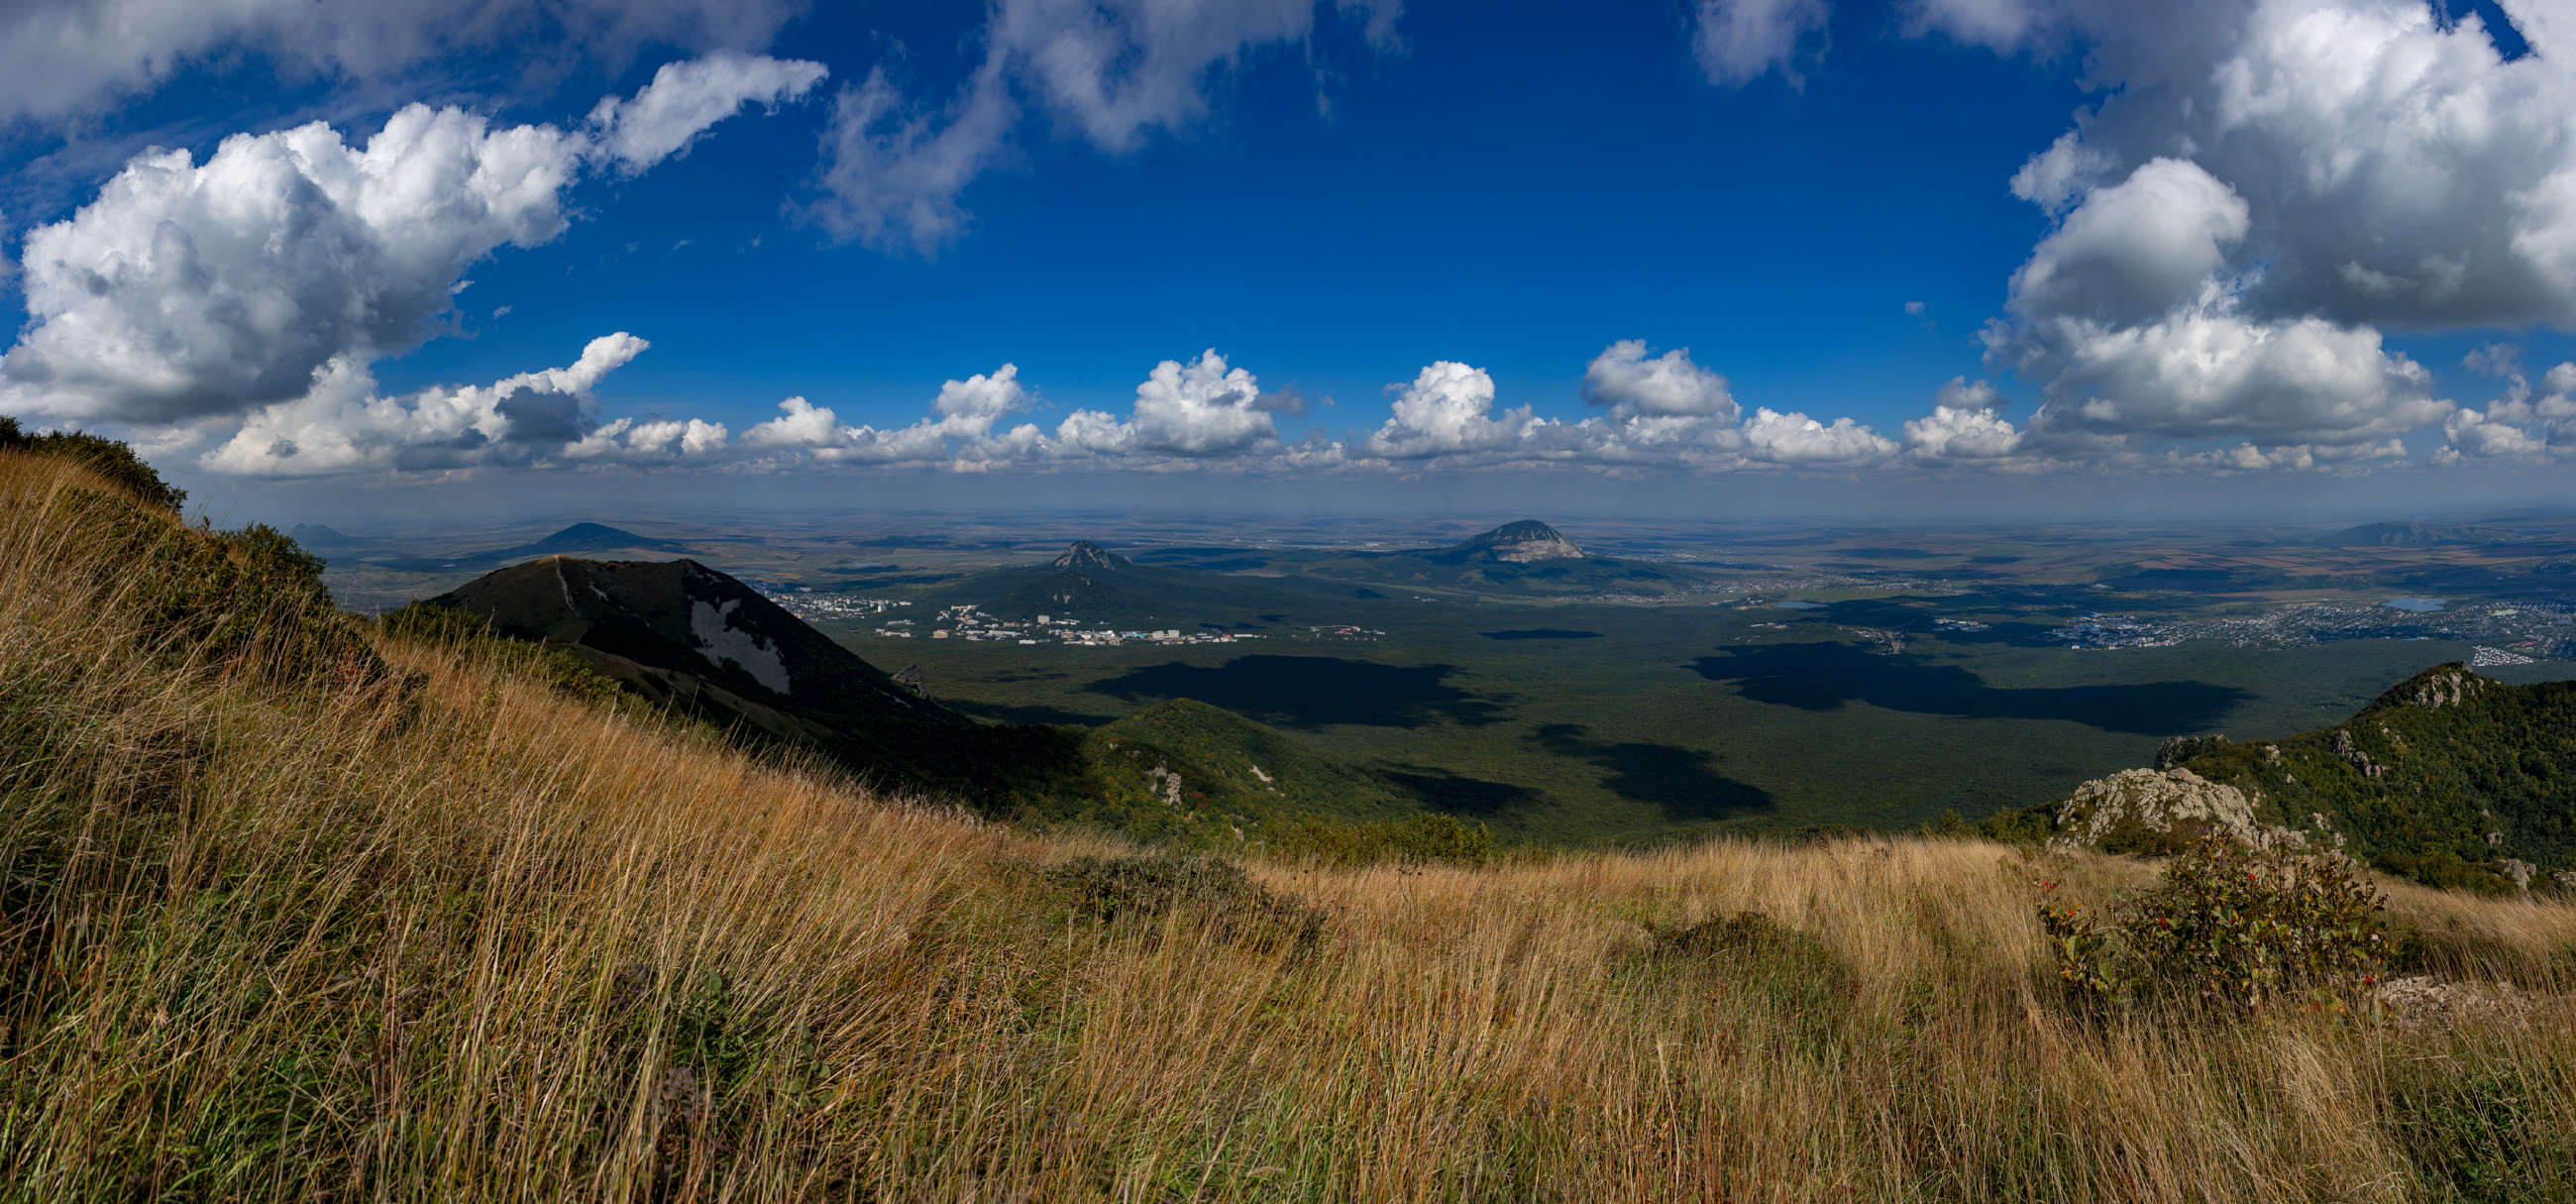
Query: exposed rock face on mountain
[[2435, 688], [2448, 778], [1086, 556], [2138, 810], [1522, 542], [1085, 581]]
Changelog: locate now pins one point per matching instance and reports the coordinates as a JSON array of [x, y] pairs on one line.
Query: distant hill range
[[1243, 587], [2449, 778], [326, 542], [2412, 535], [1092, 585], [686, 636], [1521, 558], [584, 539]]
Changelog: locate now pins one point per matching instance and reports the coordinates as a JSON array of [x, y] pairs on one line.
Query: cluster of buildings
[[2116, 631], [969, 622], [2505, 633], [811, 605], [2537, 630]]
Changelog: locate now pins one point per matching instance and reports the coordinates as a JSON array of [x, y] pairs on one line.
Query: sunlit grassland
[[268, 933]]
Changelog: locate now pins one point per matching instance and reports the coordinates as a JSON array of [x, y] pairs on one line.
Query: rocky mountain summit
[[1084, 555], [2138, 810], [1522, 542]]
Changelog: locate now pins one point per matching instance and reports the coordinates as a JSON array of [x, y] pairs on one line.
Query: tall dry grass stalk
[[462, 937]]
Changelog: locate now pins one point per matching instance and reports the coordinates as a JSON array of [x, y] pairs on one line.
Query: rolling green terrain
[[1692, 679], [1587, 723]]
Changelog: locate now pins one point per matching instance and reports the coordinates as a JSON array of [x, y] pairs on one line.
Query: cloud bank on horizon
[[2259, 194]]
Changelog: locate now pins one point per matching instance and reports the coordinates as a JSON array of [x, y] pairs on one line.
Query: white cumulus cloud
[[1797, 440], [343, 425], [1626, 379], [1448, 410], [1739, 41], [68, 57], [1966, 423], [190, 291], [960, 429], [685, 98]]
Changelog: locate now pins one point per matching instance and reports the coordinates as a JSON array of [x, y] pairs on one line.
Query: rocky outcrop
[[2441, 686], [2150, 810], [1084, 554], [2178, 749]]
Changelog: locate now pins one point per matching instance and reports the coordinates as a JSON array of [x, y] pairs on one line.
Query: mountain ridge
[[2448, 777]]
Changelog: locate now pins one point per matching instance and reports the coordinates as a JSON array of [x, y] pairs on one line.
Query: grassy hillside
[[290, 908], [1225, 755]]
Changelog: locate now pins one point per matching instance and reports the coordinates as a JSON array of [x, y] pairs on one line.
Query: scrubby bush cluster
[[1422, 838], [1214, 892], [2228, 926]]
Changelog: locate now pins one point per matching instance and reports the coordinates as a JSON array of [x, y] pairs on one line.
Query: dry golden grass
[[469, 938]]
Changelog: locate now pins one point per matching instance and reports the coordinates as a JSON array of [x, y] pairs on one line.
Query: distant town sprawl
[[968, 621], [2505, 633]]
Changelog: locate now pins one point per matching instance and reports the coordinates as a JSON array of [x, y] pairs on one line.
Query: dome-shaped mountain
[[585, 539], [1519, 543]]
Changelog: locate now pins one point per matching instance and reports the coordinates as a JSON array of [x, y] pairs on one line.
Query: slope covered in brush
[[1246, 766], [2448, 777]]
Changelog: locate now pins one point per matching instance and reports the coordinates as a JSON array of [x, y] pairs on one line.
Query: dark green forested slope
[[2443, 778]]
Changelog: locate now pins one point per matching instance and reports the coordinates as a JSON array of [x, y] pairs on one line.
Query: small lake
[[1797, 604], [2418, 605]]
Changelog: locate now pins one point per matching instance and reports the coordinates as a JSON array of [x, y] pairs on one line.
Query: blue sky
[[1396, 227]]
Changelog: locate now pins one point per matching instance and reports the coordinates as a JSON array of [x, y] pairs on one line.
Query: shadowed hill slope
[[686, 636]]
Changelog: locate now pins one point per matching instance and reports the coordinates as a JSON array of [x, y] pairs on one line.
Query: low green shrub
[[2472, 1133], [1422, 838], [1151, 886], [2445, 869], [2178, 749], [2008, 825], [2227, 926]]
